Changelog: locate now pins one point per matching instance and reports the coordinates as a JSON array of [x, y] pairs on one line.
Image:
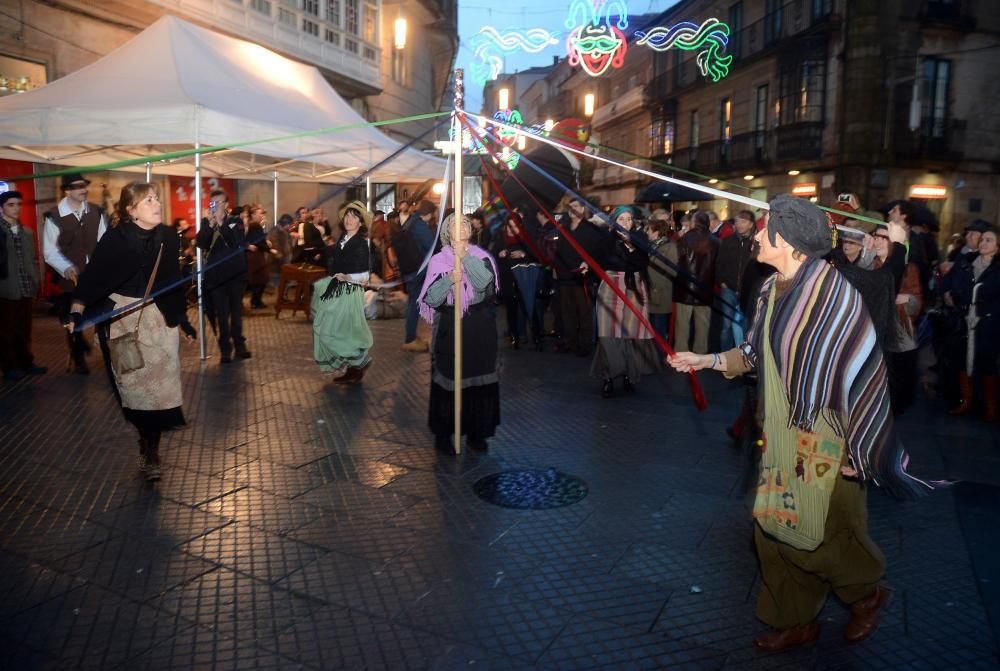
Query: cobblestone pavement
[[303, 525]]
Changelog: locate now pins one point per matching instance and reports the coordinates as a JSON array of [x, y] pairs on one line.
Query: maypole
[[456, 233]]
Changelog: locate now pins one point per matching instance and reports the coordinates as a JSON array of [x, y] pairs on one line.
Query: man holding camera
[[223, 238]]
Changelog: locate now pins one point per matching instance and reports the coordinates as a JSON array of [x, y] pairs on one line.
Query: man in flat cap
[[827, 433], [70, 235]]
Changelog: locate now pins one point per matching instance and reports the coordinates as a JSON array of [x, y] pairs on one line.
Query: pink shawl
[[443, 263]]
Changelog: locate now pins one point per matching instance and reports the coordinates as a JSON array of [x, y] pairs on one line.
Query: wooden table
[[302, 276]]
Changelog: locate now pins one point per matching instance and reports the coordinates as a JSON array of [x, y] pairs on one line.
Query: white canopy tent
[[177, 85]]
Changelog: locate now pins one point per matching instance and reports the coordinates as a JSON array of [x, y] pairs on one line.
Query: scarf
[[826, 354], [443, 263]]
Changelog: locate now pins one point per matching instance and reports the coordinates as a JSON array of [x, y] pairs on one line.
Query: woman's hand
[[190, 335], [518, 254], [685, 362], [340, 277]]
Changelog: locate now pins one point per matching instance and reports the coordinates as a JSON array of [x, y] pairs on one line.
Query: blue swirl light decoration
[[709, 39]]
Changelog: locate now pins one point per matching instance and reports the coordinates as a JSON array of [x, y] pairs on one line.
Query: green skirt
[[341, 337]]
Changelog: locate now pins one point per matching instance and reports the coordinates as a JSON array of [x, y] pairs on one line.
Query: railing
[[803, 140], [749, 150], [918, 145]]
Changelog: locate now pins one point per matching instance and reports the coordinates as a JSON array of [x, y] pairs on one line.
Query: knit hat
[[801, 224], [620, 210], [360, 208]]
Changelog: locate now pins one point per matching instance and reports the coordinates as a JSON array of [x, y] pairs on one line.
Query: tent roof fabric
[[176, 83]]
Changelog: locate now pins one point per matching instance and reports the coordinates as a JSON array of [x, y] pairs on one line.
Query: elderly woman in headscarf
[[828, 432], [341, 337], [625, 347], [480, 381]]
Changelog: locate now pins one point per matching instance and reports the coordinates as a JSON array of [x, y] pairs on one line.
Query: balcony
[[350, 61], [796, 141], [749, 150], [909, 145], [953, 14]]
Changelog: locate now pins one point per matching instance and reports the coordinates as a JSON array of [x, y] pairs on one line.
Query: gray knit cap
[[801, 224]]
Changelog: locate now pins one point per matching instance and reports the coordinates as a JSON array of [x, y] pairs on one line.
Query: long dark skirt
[[480, 382]]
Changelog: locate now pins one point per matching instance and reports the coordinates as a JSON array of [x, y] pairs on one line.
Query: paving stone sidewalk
[[304, 525]]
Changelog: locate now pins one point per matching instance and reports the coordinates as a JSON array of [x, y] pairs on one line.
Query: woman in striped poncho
[[828, 431]]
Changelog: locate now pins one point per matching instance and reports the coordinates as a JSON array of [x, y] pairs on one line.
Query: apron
[[157, 385], [798, 468]]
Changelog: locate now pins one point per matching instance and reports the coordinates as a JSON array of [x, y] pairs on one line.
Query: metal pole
[[199, 257], [149, 172], [455, 235], [275, 200], [368, 192]]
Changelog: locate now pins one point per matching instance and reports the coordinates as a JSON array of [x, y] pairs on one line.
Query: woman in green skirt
[[341, 337]]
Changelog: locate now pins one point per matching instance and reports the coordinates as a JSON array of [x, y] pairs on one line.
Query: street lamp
[[503, 98], [588, 104], [399, 32]]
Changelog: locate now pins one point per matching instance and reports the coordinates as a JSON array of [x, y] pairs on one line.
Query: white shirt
[[50, 241]]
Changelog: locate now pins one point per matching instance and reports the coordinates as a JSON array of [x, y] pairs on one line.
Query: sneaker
[[244, 354], [417, 345]]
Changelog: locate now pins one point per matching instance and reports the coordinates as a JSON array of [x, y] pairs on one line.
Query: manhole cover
[[531, 489]]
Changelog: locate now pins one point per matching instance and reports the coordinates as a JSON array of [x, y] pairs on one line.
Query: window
[[371, 24], [333, 12], [772, 21], [262, 6], [311, 7], [760, 115], [286, 17], [310, 27], [668, 136], [802, 87], [726, 120], [694, 130], [735, 29], [934, 97], [331, 37], [351, 18], [821, 9], [399, 66]]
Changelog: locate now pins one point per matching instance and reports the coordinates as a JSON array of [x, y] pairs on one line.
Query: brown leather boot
[[964, 406], [990, 383], [776, 641], [864, 615]]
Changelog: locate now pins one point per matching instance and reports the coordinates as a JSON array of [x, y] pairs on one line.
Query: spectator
[[572, 277], [735, 253], [662, 271], [411, 246], [19, 282], [693, 289]]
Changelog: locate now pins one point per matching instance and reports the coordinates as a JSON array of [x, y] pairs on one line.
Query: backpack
[[408, 255]]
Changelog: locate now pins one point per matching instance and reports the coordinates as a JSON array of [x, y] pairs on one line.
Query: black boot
[[607, 388], [628, 386], [153, 457], [478, 444]]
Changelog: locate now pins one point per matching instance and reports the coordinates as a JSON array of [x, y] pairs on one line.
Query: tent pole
[[199, 260], [275, 200], [149, 172], [455, 236], [368, 192]]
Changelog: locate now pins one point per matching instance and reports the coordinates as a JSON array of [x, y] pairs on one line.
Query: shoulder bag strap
[[149, 286]]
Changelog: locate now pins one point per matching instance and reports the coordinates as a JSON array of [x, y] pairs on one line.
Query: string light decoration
[[596, 48], [709, 39]]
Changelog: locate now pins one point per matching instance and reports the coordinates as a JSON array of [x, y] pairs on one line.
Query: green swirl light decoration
[[709, 39]]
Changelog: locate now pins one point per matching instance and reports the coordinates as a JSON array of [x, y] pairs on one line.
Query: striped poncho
[[826, 354]]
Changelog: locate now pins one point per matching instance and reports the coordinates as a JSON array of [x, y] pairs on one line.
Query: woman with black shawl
[[135, 249], [341, 337], [828, 431]]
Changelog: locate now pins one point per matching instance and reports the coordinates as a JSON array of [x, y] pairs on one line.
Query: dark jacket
[[353, 257], [567, 261], [697, 251], [257, 262], [123, 262], [735, 253], [223, 244]]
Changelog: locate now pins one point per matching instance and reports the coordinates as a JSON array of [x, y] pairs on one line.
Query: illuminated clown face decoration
[[596, 48]]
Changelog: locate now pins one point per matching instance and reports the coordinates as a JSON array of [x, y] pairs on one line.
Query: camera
[[844, 198]]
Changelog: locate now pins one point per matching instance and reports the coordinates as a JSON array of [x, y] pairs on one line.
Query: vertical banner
[[182, 195]]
